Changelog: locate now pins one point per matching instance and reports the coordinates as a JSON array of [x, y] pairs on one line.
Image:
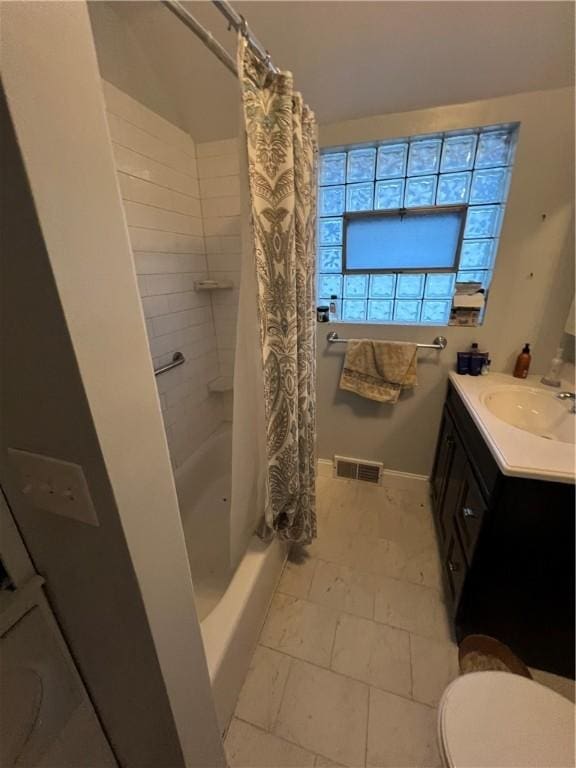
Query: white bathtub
[[231, 606]]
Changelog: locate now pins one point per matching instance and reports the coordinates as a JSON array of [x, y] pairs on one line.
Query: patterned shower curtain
[[282, 151]]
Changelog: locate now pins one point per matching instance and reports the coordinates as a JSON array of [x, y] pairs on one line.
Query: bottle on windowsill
[[333, 312]]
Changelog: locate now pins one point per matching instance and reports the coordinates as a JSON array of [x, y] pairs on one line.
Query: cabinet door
[[455, 568], [453, 489], [470, 513], [442, 463]]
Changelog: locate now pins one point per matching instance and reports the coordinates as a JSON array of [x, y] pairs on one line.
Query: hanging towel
[[379, 370]]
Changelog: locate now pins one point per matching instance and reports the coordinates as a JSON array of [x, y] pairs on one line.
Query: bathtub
[[231, 605]]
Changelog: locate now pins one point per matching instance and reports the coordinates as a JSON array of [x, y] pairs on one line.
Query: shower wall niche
[[182, 208]]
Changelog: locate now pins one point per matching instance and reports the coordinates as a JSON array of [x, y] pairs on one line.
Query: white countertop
[[517, 453]]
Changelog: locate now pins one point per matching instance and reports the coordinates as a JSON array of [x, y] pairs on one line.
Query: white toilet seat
[[501, 720]]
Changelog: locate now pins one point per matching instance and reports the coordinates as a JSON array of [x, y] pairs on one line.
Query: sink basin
[[534, 410]]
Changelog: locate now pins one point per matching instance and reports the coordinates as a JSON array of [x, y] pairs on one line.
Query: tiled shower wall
[[158, 177], [218, 171]]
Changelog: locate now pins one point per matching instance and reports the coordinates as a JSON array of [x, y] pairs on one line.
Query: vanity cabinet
[[506, 546]]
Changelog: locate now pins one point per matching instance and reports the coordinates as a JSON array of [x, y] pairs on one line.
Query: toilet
[[500, 720]]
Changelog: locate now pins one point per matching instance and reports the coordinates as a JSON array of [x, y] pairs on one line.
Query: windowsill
[[392, 324]]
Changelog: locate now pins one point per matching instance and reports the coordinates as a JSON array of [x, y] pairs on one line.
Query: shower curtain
[[282, 151]]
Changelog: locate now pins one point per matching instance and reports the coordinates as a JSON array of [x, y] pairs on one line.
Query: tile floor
[[356, 649]]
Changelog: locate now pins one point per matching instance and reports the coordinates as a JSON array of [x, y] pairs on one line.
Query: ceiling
[[350, 58]]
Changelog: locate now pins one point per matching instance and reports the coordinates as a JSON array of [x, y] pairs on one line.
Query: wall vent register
[[403, 222], [352, 469]]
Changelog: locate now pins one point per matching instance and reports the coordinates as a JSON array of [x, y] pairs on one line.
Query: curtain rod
[[234, 19]]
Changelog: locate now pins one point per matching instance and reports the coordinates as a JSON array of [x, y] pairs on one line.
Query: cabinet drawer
[[470, 513], [455, 568]]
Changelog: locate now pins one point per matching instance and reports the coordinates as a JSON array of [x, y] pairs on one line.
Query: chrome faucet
[[568, 396]]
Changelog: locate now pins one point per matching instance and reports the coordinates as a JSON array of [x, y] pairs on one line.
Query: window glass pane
[[482, 221], [453, 188], [475, 276], [380, 311], [330, 284], [355, 286], [493, 149], [420, 191], [458, 153], [489, 186], [360, 197], [398, 264], [477, 254], [361, 164], [354, 310], [389, 194], [435, 312], [382, 286], [410, 286], [424, 157], [330, 231], [407, 311], [331, 201], [410, 241], [333, 168], [330, 260], [391, 161], [439, 286]]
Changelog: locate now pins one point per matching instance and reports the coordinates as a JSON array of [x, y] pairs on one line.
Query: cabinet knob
[[453, 567], [469, 512]]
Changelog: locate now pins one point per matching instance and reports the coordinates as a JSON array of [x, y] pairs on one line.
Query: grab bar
[[440, 342], [177, 360]]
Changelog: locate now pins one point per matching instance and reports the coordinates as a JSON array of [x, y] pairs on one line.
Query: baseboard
[[395, 479], [325, 468], [391, 478]]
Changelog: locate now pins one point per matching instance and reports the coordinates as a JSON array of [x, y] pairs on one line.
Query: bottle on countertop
[[523, 363], [554, 376], [333, 313], [485, 370], [477, 360]]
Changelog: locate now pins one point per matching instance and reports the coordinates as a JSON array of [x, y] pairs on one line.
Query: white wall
[[79, 386], [158, 177], [219, 174], [530, 293]]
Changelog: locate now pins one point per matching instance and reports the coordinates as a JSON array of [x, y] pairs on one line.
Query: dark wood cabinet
[[506, 545]]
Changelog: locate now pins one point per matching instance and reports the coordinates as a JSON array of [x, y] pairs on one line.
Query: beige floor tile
[[401, 733], [297, 574], [337, 494], [374, 653], [561, 685], [300, 628], [343, 588], [323, 762], [412, 607], [413, 531], [434, 666], [249, 747], [261, 695], [352, 514], [418, 566], [325, 713]]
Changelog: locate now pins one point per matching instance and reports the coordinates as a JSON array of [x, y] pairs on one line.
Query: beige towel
[[379, 370]]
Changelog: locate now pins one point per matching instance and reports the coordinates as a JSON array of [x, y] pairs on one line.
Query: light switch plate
[[53, 485]]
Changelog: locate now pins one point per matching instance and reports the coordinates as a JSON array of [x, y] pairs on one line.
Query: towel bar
[[440, 342]]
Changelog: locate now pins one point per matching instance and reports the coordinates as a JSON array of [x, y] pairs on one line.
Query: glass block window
[[390, 280]]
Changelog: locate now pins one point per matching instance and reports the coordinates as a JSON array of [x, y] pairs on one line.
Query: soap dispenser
[[523, 363], [553, 378]]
